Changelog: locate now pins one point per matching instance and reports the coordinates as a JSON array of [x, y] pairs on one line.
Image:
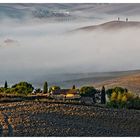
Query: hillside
[[131, 82], [127, 79], [111, 25]]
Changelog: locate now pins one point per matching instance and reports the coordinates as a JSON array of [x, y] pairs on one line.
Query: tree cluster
[[122, 98], [21, 88]]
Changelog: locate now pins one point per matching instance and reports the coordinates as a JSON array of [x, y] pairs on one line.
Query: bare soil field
[[50, 119]]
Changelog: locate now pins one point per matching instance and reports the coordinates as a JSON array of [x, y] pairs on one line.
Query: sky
[[32, 47]]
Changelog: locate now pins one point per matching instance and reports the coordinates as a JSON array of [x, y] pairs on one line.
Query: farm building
[[66, 93]]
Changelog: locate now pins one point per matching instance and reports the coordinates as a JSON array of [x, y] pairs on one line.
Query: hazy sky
[[29, 49]]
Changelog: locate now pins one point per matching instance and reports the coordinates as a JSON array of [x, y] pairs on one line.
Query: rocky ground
[[49, 119]]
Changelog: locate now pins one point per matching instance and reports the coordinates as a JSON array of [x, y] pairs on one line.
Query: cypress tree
[[73, 87], [103, 98], [45, 87], [5, 85]]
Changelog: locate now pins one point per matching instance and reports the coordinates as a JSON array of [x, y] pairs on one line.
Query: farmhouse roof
[[65, 91]]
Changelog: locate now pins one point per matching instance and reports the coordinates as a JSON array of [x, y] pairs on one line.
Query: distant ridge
[[111, 25], [131, 82]]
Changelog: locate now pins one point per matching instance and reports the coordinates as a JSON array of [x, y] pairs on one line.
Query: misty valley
[[69, 69]]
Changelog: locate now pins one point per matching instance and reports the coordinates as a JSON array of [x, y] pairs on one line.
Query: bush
[[2, 89], [38, 90], [112, 104], [113, 96], [119, 97], [53, 88], [134, 103], [8, 90], [116, 90], [123, 99]]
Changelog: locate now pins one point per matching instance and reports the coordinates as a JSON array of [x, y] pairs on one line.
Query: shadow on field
[[10, 129], [1, 131]]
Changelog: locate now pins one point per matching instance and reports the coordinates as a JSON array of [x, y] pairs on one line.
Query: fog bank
[[29, 51]]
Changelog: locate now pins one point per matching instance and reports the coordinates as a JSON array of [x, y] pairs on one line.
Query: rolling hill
[[111, 25], [127, 79], [131, 82]]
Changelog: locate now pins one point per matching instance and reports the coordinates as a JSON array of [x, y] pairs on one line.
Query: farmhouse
[[66, 93]]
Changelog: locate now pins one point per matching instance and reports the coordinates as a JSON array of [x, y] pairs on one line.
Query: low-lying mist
[[31, 51]]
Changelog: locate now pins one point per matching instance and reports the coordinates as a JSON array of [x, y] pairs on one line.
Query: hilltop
[[111, 25]]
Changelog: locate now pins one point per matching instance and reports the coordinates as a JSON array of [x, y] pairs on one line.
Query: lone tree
[[45, 87], [73, 87], [5, 85], [103, 98]]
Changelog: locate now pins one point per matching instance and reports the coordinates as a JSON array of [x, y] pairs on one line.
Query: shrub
[[38, 90], [123, 99], [2, 89], [117, 90], [129, 95], [134, 103], [8, 90], [113, 96], [53, 88], [119, 97], [112, 104], [109, 92]]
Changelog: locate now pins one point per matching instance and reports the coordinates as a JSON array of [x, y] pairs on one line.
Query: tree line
[[118, 97]]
